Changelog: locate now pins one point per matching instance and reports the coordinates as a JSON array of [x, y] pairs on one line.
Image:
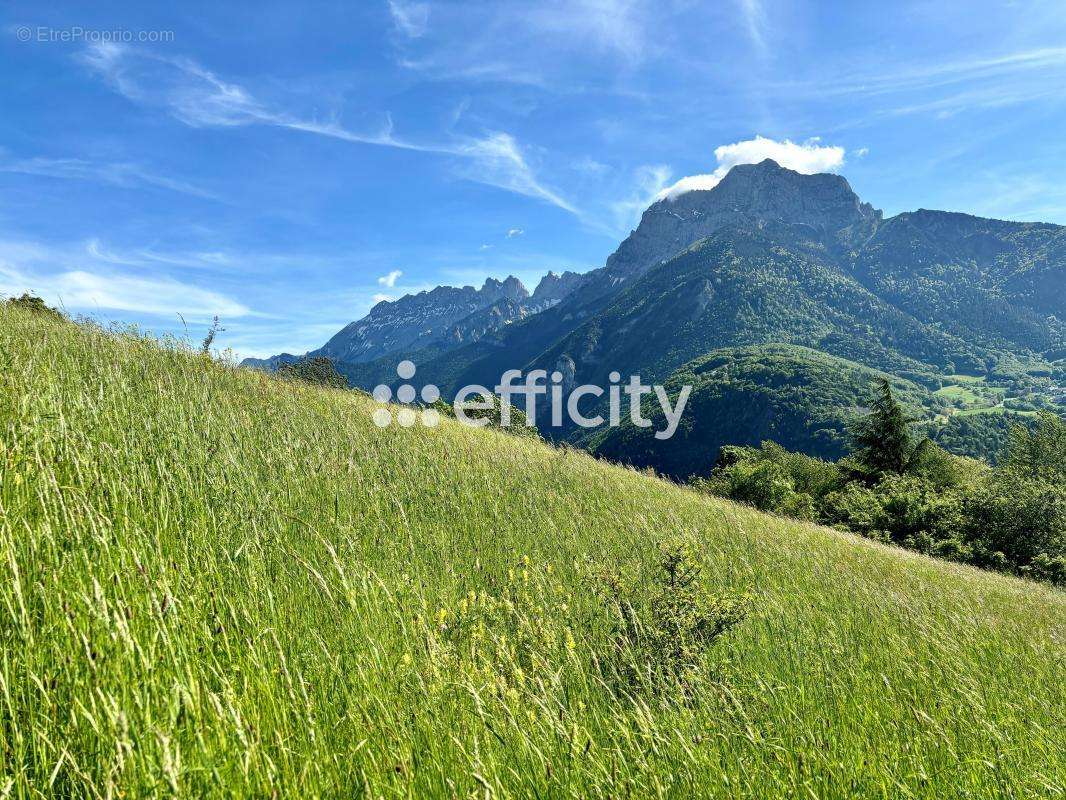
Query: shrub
[[35, 305], [770, 479], [318, 370], [516, 424], [660, 637], [1018, 525]]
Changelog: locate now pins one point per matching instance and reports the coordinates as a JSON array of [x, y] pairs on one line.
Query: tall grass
[[214, 583]]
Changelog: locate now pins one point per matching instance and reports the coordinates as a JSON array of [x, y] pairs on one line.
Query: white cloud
[[390, 279], [382, 298], [807, 158], [485, 247], [199, 98], [81, 283], [514, 232], [411, 19]]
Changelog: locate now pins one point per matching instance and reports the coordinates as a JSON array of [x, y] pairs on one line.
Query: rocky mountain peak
[[750, 195], [554, 287], [510, 288]]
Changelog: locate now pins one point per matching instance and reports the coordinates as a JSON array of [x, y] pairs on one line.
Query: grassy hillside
[[213, 583]]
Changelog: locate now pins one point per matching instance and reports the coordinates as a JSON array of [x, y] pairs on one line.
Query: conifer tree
[[882, 441]]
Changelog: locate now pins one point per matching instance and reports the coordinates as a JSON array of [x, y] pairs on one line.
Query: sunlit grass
[[216, 583]]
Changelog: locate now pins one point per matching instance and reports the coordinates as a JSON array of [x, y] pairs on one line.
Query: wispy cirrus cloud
[[410, 18], [532, 44], [122, 174], [942, 88], [199, 98], [932, 76], [498, 160], [754, 17]]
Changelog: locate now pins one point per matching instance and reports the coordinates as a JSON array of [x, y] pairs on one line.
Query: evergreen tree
[[881, 441]]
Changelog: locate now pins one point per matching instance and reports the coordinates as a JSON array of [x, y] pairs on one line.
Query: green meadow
[[215, 583]]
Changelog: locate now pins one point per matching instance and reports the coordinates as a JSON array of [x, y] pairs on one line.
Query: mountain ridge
[[770, 255], [445, 314]]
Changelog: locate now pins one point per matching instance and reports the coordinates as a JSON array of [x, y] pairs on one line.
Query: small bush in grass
[[661, 634], [517, 424], [35, 305], [318, 370]]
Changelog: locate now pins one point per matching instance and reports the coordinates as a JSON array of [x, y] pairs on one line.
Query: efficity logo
[[476, 405], [406, 416]]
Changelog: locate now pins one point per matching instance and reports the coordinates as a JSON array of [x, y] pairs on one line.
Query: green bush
[[35, 305], [771, 479], [318, 370], [517, 424], [661, 635]]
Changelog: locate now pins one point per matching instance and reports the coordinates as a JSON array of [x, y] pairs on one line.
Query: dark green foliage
[[317, 370], [771, 479], [902, 509], [34, 305], [983, 436], [1018, 525], [1038, 454], [1012, 518], [882, 443], [1018, 517], [802, 399]]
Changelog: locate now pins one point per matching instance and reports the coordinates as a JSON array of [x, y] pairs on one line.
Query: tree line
[[903, 489]]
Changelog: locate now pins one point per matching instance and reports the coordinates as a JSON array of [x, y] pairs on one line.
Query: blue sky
[[285, 165]]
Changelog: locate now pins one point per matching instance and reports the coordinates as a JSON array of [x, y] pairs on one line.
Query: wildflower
[[442, 617], [407, 659]]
